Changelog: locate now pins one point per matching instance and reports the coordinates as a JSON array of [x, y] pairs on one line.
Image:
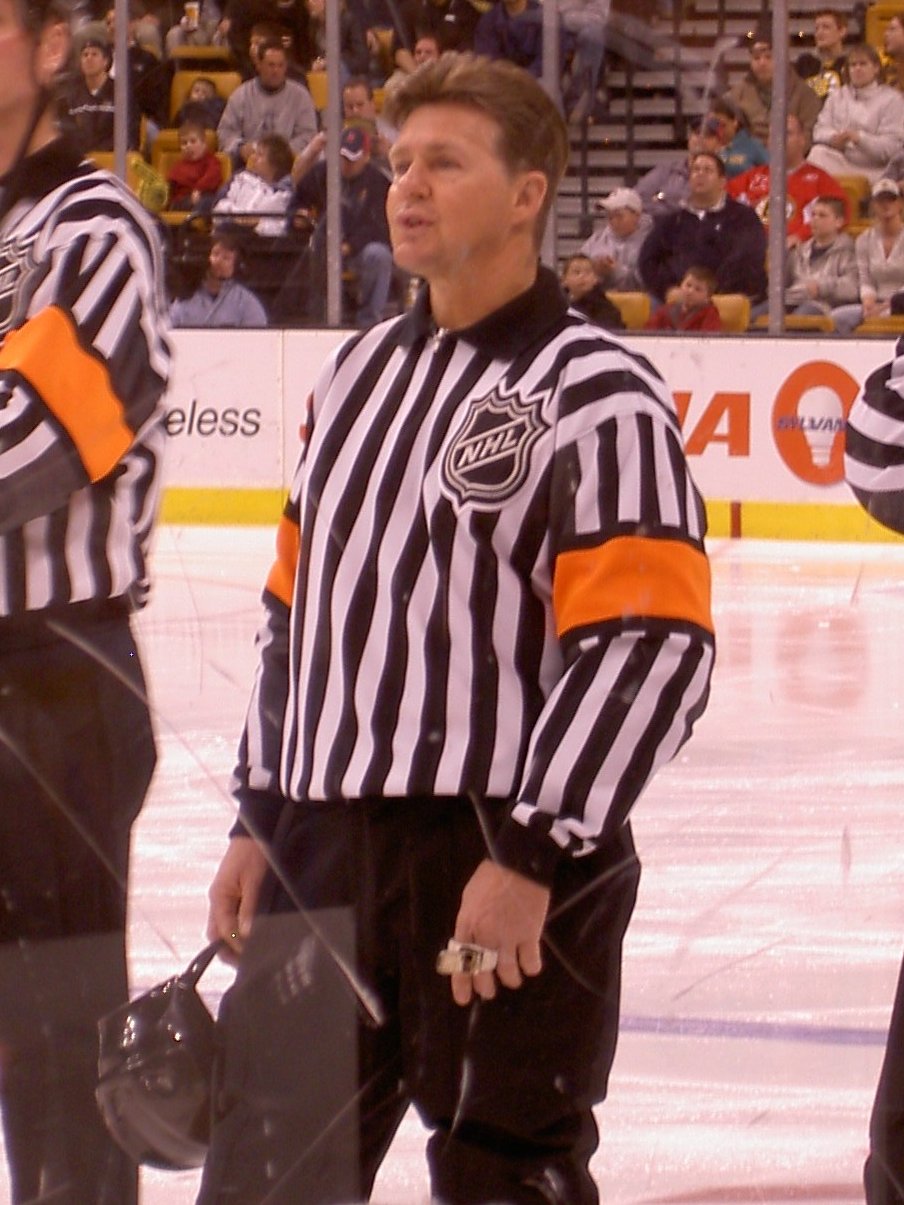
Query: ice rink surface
[[762, 958]]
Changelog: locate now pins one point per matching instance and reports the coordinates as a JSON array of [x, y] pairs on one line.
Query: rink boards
[[763, 421]]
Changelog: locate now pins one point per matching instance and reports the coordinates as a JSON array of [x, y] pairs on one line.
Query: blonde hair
[[532, 134]]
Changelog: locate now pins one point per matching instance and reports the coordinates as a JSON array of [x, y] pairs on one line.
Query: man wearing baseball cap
[[615, 247], [365, 233]]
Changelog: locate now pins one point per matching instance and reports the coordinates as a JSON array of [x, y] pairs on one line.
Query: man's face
[[221, 262], [453, 203], [623, 221], [824, 221], [795, 143], [350, 169], [426, 50], [578, 278], [886, 206], [705, 183], [357, 105], [192, 145], [693, 292], [93, 62], [272, 67], [761, 63], [893, 37], [828, 35]]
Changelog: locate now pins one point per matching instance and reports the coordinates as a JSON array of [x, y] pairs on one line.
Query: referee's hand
[[503, 911], [234, 893]]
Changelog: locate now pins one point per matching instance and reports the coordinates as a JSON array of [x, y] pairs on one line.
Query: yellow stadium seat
[[799, 322], [734, 310], [877, 17], [225, 82], [893, 324], [856, 189], [633, 307]]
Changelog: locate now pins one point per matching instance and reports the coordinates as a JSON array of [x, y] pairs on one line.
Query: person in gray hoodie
[[821, 272], [615, 247]]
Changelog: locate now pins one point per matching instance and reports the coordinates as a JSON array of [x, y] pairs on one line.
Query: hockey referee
[[488, 625], [83, 365]]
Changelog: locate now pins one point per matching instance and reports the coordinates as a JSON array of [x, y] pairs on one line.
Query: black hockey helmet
[[155, 1070]]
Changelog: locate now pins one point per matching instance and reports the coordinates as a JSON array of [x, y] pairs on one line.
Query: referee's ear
[[530, 196]]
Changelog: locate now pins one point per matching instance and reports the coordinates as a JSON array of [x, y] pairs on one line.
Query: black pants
[[76, 757], [338, 1020], [883, 1174]]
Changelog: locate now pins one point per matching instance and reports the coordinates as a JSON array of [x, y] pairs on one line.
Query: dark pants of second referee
[[76, 757], [884, 1171], [315, 1082]]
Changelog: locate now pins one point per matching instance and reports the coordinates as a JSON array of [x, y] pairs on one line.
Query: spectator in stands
[[665, 187], [288, 18], [587, 295], [804, 183], [203, 105], [359, 108], [753, 94], [365, 232], [726, 124], [220, 300], [614, 249], [90, 99], [880, 259], [825, 68], [893, 44], [426, 50], [149, 78], [259, 196], [712, 231], [354, 55], [269, 104], [861, 126], [585, 23], [692, 308], [197, 174], [513, 30], [199, 25], [821, 272], [453, 22]]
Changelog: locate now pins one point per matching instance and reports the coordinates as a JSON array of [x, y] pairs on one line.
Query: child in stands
[[197, 174], [586, 294], [691, 308]]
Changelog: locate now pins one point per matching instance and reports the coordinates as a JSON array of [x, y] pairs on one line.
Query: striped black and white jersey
[[874, 443], [84, 361], [490, 579]]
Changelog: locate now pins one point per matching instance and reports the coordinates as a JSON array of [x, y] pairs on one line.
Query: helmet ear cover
[[155, 1068]]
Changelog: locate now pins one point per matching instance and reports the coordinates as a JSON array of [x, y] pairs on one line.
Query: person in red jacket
[[804, 184], [690, 306], [197, 173]]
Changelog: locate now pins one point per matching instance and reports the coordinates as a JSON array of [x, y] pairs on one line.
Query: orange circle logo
[[808, 420]]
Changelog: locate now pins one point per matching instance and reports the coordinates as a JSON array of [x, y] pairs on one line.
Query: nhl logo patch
[[489, 456], [15, 258]]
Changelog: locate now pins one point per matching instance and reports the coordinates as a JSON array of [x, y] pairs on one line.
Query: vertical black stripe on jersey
[[12, 548], [608, 470], [341, 520], [101, 512], [683, 483], [640, 764], [650, 514], [360, 610]]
